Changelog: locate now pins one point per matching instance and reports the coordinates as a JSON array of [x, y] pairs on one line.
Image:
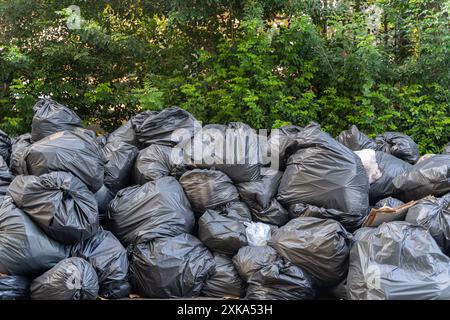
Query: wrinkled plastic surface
[[399, 145], [59, 203], [208, 189], [155, 162], [369, 162], [225, 281], [24, 248], [5, 177], [160, 127], [5, 146], [430, 176], [171, 267], [120, 157], [71, 151], [446, 149], [280, 281], [318, 246], [390, 168], [104, 196], [350, 221], [127, 132], [155, 210], [324, 173], [70, 279], [434, 215], [356, 140], [18, 152], [283, 142], [257, 233], [109, 259], [389, 202], [235, 149], [251, 259], [221, 232], [51, 117], [397, 261], [14, 288]]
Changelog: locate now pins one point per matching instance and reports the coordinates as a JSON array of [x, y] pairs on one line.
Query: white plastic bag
[[369, 162], [257, 233]]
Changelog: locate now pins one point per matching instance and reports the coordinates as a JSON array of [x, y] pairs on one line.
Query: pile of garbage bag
[[163, 207]]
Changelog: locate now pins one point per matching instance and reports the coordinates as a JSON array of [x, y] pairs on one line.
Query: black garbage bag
[[14, 288], [397, 261], [157, 161], [251, 259], [208, 189], [260, 195], [224, 282], [127, 132], [399, 145], [24, 248], [324, 173], [234, 149], [70, 279], [172, 267], [157, 209], [51, 117], [350, 221], [5, 146], [167, 127], [102, 140], [120, 157], [428, 177], [356, 140], [389, 202], [5, 177], [318, 246], [59, 203], [434, 215], [282, 142], [280, 281], [72, 151], [104, 196], [446, 149], [390, 167], [109, 259], [222, 232], [18, 152]]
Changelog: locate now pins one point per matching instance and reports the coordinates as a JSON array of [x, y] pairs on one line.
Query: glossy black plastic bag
[[157, 209], [324, 173], [5, 146], [120, 157], [24, 248], [127, 132], [109, 259], [14, 288], [5, 177], [70, 279], [356, 140], [225, 281], [18, 153], [251, 259], [51, 117], [397, 261], [59, 203], [71, 151], [280, 281], [318, 246], [399, 145], [171, 267], [389, 202]]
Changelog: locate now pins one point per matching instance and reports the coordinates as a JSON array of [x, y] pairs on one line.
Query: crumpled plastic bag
[[397, 261], [257, 233], [282, 144], [5, 177], [356, 140], [280, 281], [318, 246], [434, 215], [5, 146], [389, 202], [18, 152], [127, 132], [110, 261], [14, 288], [157, 209], [59, 203], [368, 159], [51, 117], [171, 267], [70, 279], [251, 259], [399, 145], [24, 248]]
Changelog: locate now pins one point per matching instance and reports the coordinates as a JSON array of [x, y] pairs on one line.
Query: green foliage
[[379, 64]]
